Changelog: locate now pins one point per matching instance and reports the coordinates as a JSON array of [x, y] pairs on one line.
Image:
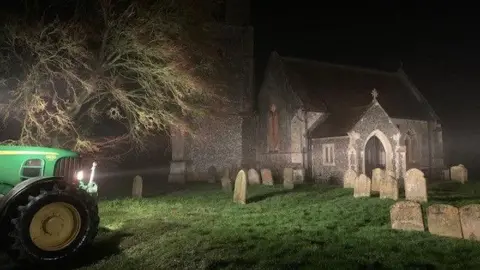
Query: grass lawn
[[317, 227]]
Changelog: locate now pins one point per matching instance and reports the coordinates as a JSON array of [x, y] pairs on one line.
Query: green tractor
[[48, 211]]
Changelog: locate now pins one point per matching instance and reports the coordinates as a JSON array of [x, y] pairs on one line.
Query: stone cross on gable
[[374, 94]]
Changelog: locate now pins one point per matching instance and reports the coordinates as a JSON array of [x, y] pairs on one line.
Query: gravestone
[[406, 216], [446, 174], [363, 186], [415, 186], [444, 220], [349, 178], [470, 220], [377, 176], [389, 186], [212, 174], [298, 176], [240, 191], [267, 178], [288, 178], [137, 189], [459, 173], [226, 181], [253, 177]]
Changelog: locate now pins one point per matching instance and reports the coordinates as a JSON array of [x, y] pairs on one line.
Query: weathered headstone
[[137, 189], [288, 178], [349, 178], [253, 177], [240, 191], [459, 173], [298, 176], [377, 176], [415, 186], [406, 216], [444, 220], [470, 220], [267, 178], [212, 174], [226, 181], [363, 186], [389, 186], [446, 174]]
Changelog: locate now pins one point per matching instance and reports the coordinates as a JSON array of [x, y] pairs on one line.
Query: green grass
[[317, 227]]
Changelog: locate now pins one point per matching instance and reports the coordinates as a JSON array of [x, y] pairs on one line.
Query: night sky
[[437, 43]]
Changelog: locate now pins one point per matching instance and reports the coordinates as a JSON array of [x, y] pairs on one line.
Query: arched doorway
[[378, 153], [375, 156]]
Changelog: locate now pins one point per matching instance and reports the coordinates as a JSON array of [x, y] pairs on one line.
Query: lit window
[[328, 154], [32, 168]]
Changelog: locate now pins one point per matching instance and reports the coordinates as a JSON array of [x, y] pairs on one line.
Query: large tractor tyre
[[53, 225]]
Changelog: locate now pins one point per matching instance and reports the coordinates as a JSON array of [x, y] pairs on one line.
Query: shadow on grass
[[412, 266], [264, 196], [453, 198], [261, 193], [103, 247]]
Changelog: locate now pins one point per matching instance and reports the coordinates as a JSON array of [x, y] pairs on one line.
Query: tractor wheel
[[54, 225]]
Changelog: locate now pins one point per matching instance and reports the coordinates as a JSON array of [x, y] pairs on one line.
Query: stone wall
[[217, 142], [330, 174], [302, 122], [429, 138]]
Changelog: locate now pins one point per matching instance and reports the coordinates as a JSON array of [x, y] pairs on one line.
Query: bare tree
[[145, 66]]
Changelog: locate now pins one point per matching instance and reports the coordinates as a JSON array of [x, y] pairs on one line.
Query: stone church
[[327, 118], [319, 117]]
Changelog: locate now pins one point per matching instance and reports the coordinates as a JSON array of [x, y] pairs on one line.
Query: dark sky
[[437, 42]]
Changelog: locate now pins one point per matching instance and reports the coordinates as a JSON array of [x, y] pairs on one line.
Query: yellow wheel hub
[[55, 226]]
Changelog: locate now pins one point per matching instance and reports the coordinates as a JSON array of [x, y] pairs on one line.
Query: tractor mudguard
[[21, 187]]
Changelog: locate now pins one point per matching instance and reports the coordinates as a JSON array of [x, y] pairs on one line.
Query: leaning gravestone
[[267, 178], [444, 220], [298, 176], [226, 182], [407, 216], [137, 189], [377, 176], [212, 174], [349, 178], [288, 178], [253, 177], [363, 186], [459, 173], [446, 174], [470, 220], [240, 191], [415, 186], [389, 186]]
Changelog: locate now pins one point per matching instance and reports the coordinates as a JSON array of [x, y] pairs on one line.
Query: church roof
[[339, 123], [336, 88]]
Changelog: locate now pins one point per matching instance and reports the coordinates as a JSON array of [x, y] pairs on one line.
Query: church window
[[352, 155], [411, 148], [328, 154], [273, 130]]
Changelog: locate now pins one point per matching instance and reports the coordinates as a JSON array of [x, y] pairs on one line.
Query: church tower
[[226, 140], [237, 12]]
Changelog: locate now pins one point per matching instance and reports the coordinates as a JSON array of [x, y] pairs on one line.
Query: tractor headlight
[[79, 175]]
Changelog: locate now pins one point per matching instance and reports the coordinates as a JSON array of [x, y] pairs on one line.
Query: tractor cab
[[19, 163]]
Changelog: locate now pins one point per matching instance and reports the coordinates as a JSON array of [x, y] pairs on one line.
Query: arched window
[[273, 136]]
